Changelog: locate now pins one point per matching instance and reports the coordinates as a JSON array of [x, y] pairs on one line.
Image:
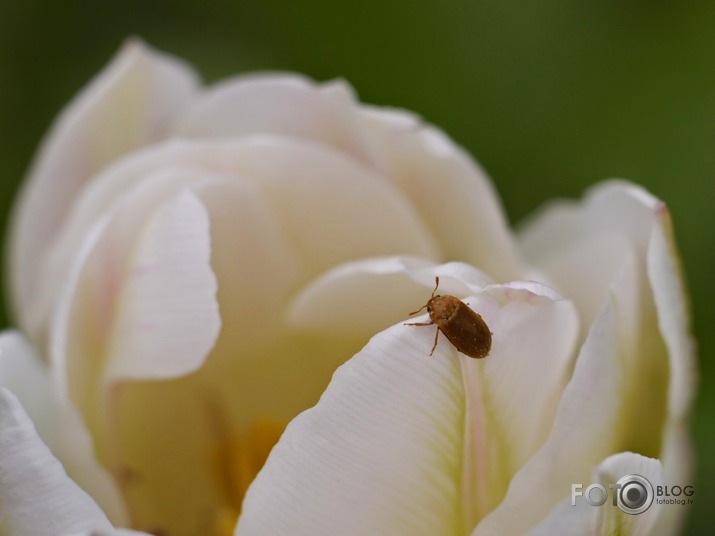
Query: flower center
[[238, 458]]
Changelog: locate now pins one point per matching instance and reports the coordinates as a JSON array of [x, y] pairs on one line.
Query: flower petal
[[583, 519], [512, 395], [366, 296], [394, 417], [379, 454], [155, 316], [448, 189], [125, 107], [57, 422], [666, 279], [296, 178], [37, 497], [169, 318], [611, 520], [284, 104], [584, 430]]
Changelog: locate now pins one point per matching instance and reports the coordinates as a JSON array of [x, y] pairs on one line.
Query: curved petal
[[125, 107], [353, 213], [168, 317], [391, 419], [365, 296], [37, 497], [653, 371], [448, 189], [284, 104], [611, 520], [582, 519], [667, 281], [583, 431], [512, 395], [57, 422], [379, 454], [115, 315]]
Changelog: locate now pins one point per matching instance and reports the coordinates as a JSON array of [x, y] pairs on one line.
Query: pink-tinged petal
[[379, 454], [584, 430], [513, 393], [366, 296], [37, 498], [353, 212], [141, 287], [168, 317], [448, 189], [58, 423], [283, 104], [405, 424], [125, 107]]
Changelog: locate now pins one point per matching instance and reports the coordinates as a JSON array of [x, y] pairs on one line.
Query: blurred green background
[[549, 96]]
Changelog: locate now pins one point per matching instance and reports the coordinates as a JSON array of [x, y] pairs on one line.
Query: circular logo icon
[[635, 494]]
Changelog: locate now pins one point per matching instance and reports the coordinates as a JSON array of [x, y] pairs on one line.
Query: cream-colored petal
[[584, 430], [567, 519], [379, 454], [536, 367], [513, 393], [119, 316], [666, 280], [168, 317], [284, 104], [365, 296], [448, 189], [126, 106], [582, 519], [330, 208], [37, 498], [58, 423], [611, 519], [581, 248]]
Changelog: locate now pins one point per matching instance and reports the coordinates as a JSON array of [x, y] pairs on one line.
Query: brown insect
[[464, 328]]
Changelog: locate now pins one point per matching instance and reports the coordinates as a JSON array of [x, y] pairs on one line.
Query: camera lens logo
[[634, 494]]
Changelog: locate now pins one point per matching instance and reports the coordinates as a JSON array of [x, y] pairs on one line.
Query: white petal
[[168, 320], [330, 208], [583, 519], [666, 279], [512, 395], [582, 247], [37, 498], [387, 425], [448, 189], [567, 519], [583, 431], [368, 295], [283, 104], [57, 422], [126, 106], [379, 454], [611, 520]]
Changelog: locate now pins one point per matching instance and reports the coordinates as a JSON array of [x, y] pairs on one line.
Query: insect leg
[[418, 323], [436, 336]]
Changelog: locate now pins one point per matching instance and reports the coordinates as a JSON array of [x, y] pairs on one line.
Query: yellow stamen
[[239, 458]]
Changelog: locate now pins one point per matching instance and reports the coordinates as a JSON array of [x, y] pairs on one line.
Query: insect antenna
[[436, 284]]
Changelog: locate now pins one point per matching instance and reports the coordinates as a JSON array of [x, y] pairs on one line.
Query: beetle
[[464, 328]]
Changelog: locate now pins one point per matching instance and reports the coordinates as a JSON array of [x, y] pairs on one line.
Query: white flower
[[189, 267]]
